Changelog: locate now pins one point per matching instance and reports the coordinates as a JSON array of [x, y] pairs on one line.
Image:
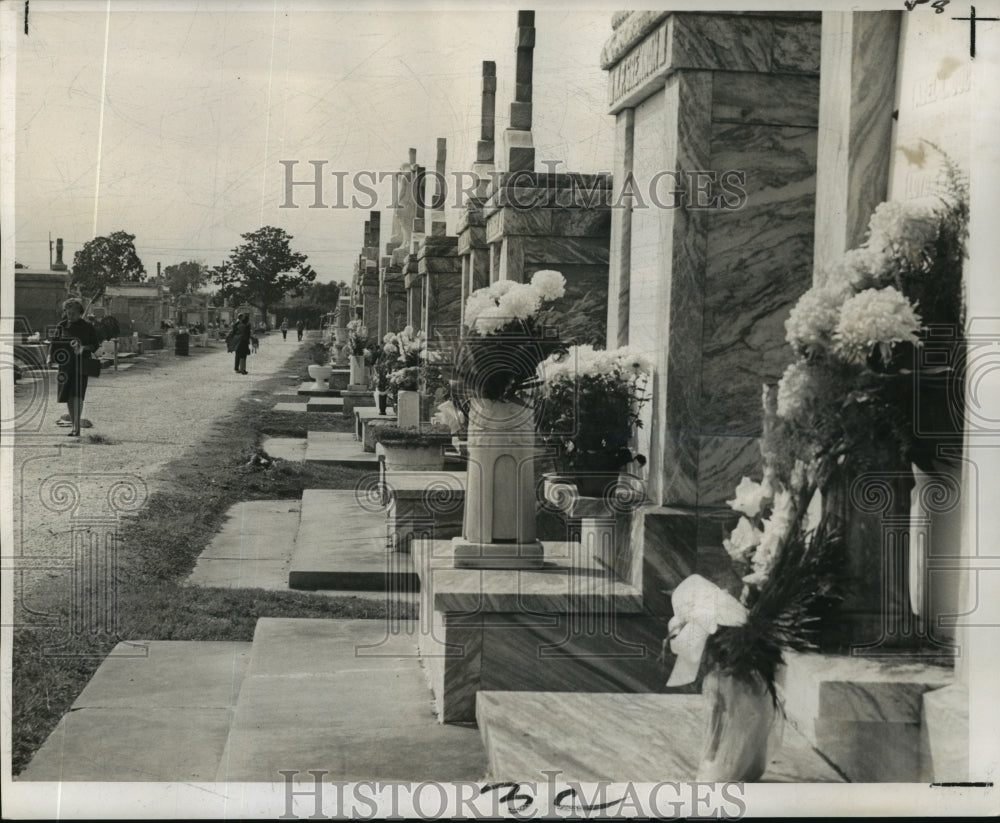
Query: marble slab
[[342, 545], [325, 404], [865, 716], [423, 505], [364, 413], [567, 582], [644, 738], [311, 389], [944, 741], [338, 449], [353, 399]]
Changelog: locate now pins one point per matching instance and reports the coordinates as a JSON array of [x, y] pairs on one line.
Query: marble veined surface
[[645, 738]]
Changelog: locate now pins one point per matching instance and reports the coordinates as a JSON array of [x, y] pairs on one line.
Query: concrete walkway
[[153, 711], [347, 696]]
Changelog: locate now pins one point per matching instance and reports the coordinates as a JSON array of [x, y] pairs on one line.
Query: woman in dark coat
[[239, 342], [83, 342]]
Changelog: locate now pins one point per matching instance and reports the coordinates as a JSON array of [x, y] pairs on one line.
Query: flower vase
[[407, 409], [381, 401], [359, 372], [498, 528], [744, 728]]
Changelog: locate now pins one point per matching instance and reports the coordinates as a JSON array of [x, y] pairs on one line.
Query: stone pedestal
[[554, 221], [498, 529], [408, 409]]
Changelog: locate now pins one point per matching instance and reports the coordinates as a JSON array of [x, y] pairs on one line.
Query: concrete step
[[644, 738], [325, 404], [292, 449], [253, 549], [153, 711], [347, 697], [338, 448], [342, 545], [865, 715], [310, 389]]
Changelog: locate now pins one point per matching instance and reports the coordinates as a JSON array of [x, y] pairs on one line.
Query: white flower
[[875, 317], [550, 284], [795, 389], [743, 540], [478, 302], [750, 496], [776, 530], [905, 227], [633, 361], [812, 320], [491, 319], [863, 268], [520, 302], [500, 288]]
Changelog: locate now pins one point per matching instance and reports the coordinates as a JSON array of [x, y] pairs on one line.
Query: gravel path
[[142, 418]]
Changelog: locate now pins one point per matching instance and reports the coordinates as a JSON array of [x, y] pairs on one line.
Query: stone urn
[[320, 375], [498, 529]]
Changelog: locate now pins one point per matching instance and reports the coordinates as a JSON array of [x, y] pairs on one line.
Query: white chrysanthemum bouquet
[[505, 342]]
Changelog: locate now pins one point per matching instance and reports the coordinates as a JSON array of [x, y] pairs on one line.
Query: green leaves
[[104, 261], [263, 270]]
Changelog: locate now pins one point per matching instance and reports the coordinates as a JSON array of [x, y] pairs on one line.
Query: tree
[[186, 277], [263, 270], [104, 261]]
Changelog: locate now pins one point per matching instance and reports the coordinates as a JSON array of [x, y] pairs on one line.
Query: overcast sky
[[201, 103]]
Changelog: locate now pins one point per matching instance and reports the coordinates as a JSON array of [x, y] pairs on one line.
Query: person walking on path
[[284, 329], [239, 343], [75, 342], [299, 327]]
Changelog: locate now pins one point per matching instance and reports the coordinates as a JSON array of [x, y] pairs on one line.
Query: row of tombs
[[704, 289]]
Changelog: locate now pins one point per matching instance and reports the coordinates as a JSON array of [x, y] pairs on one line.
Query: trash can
[[181, 343]]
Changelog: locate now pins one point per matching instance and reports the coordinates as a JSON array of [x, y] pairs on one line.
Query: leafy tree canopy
[[263, 270], [186, 277], [104, 261]]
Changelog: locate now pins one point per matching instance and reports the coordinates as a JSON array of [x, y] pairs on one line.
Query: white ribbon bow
[[700, 607]]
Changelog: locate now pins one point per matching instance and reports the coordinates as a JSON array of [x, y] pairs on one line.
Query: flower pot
[[320, 375], [359, 371], [498, 529], [413, 458], [407, 409], [744, 728]]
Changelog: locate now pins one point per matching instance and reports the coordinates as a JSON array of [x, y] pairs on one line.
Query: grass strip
[[158, 548]]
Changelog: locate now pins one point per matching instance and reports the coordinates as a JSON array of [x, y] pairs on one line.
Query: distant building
[[138, 307], [39, 295]]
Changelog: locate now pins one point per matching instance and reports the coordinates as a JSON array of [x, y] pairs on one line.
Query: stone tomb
[[688, 285]]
